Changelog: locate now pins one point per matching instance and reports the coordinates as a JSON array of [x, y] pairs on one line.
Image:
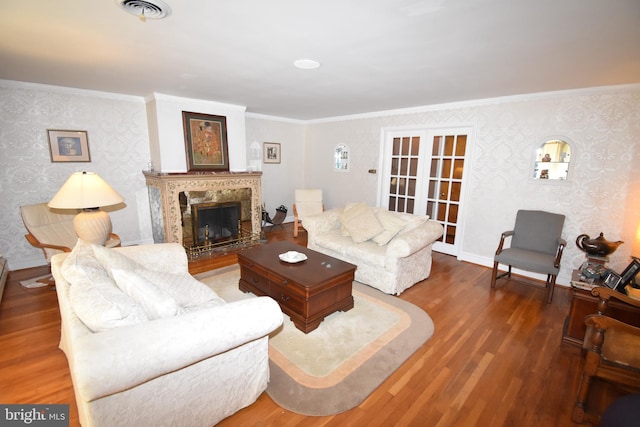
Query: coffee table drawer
[[286, 297], [254, 279]]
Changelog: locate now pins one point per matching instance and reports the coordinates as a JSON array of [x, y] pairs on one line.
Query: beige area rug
[[338, 365]]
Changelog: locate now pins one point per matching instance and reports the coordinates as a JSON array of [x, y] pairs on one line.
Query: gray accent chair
[[536, 246]]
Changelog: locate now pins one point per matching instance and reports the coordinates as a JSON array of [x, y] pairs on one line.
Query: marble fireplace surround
[[164, 198]]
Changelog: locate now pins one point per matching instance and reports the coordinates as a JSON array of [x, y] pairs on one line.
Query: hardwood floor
[[495, 359]]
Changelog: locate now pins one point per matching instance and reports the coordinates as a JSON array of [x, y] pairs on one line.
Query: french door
[[422, 173]]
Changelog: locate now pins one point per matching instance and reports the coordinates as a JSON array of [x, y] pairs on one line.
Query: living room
[[601, 122]]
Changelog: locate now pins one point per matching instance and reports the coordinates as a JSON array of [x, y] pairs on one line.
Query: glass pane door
[[445, 185], [402, 180]]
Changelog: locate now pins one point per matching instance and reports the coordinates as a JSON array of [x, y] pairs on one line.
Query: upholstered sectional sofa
[[149, 345], [391, 250]]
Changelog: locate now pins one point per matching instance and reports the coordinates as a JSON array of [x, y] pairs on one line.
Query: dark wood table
[[307, 291], [584, 304]]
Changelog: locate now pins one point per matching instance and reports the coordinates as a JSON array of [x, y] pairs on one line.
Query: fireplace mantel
[[164, 190]]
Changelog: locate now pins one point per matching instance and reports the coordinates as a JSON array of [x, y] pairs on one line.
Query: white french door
[[422, 173]]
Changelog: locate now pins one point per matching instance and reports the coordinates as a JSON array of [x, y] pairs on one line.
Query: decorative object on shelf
[[205, 138], [598, 246], [89, 192], [546, 158], [69, 145], [271, 152]]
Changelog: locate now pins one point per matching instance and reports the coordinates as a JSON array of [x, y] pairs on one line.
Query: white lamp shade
[[85, 190]]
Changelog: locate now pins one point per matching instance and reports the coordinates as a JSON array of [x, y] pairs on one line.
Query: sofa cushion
[[100, 305], [156, 303], [392, 224], [364, 225]]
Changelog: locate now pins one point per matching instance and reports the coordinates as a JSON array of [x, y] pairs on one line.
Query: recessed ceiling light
[[306, 64]]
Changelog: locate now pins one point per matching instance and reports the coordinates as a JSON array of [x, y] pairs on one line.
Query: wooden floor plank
[[495, 357]]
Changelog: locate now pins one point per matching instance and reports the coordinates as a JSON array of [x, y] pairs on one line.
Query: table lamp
[[89, 192]]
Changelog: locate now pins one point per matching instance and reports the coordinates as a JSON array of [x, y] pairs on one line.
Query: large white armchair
[[193, 368]]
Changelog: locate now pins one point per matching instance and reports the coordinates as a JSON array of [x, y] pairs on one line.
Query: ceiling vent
[[145, 9]]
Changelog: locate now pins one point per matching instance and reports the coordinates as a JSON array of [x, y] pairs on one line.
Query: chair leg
[[494, 274], [579, 410], [295, 228], [551, 284]]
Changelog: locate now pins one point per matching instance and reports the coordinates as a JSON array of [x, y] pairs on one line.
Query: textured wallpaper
[[602, 193], [118, 144], [602, 125]]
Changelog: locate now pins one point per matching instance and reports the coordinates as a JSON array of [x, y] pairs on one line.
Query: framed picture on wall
[[271, 152], [205, 138], [69, 145]]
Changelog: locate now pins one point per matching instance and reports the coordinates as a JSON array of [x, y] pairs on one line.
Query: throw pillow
[[363, 226], [101, 306], [110, 259], [392, 224], [187, 291], [156, 304], [350, 211], [80, 263]]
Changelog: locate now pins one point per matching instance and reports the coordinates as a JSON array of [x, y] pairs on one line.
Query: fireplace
[[175, 197], [213, 223]]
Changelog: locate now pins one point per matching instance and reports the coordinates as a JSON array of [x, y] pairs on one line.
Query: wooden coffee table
[[307, 291]]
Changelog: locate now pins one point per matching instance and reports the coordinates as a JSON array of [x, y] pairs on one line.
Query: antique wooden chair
[[612, 352], [536, 246], [307, 202]]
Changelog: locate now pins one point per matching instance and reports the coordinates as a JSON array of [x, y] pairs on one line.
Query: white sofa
[[148, 345], [391, 250]]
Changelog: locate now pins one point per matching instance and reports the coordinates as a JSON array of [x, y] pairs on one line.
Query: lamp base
[[93, 226]]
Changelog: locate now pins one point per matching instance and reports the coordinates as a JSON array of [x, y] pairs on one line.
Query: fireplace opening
[[214, 223]]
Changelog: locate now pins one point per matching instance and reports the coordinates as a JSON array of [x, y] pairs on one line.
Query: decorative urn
[[598, 246]]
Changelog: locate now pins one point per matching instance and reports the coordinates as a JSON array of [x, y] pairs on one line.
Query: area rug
[[338, 365]]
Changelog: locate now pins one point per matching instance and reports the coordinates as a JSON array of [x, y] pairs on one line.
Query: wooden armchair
[[612, 351], [536, 245], [53, 231]]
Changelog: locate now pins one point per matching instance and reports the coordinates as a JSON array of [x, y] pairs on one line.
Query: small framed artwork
[[205, 138], [271, 152], [611, 279], [630, 272], [341, 158], [69, 145]]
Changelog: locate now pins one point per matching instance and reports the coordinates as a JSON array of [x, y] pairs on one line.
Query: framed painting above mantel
[[206, 145]]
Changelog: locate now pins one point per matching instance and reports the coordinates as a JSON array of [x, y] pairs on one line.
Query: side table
[[584, 304]]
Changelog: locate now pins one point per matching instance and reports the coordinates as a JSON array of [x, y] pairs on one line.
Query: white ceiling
[[376, 54]]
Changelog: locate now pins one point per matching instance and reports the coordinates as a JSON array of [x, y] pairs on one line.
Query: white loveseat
[[149, 345], [391, 250]]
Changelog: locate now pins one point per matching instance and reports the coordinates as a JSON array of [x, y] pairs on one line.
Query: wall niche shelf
[[552, 160]]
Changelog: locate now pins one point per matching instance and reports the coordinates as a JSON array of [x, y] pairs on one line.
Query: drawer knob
[[284, 297], [284, 282]]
